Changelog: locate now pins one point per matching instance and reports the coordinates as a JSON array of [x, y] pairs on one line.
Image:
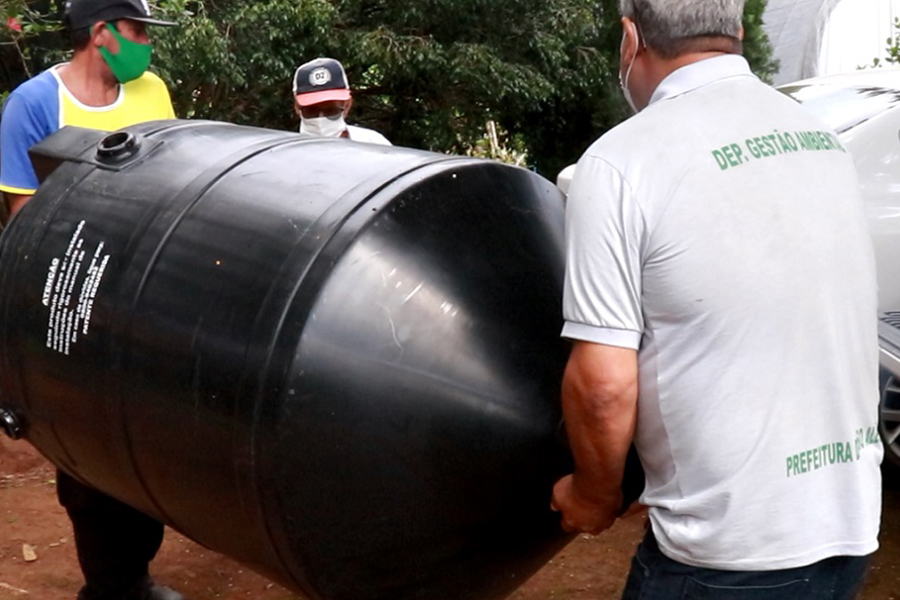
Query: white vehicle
[[864, 109]]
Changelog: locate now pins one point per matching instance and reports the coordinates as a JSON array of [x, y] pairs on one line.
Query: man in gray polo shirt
[[720, 295]]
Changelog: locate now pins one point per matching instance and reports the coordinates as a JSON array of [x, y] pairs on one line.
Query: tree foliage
[[29, 40], [428, 74]]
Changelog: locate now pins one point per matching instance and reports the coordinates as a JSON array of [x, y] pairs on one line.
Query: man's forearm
[[599, 400], [15, 202], [600, 409]]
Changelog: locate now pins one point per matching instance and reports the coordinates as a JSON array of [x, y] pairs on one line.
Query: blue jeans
[[654, 576]]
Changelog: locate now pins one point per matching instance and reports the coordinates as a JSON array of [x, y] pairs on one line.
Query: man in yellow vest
[[105, 86]]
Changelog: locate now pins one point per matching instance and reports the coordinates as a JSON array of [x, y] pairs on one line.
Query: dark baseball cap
[[84, 13], [320, 80]]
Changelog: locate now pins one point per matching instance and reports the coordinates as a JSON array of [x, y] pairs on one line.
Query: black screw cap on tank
[[118, 146]]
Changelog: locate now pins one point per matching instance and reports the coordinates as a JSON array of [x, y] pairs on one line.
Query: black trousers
[[654, 576], [115, 543]]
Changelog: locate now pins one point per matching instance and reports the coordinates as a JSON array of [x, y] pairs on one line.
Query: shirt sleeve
[[605, 233], [366, 136], [20, 128]]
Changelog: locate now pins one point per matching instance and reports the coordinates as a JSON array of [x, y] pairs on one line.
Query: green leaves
[[892, 50], [232, 60], [893, 46], [757, 49], [29, 39], [506, 78], [445, 68]]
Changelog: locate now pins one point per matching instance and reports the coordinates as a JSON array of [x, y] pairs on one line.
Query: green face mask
[[132, 59]]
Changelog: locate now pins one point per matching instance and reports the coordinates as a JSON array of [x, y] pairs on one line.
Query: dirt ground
[[37, 555]]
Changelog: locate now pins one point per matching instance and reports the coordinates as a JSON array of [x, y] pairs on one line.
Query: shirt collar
[[698, 74]]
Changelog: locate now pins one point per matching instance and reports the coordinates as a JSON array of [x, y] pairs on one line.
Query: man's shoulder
[[34, 106], [151, 78], [147, 83], [626, 139], [673, 125], [146, 99], [30, 114], [37, 89]]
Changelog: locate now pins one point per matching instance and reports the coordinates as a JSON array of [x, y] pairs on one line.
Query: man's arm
[[23, 125], [14, 203], [599, 399]]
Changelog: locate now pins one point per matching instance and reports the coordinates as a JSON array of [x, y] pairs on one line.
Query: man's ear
[[99, 34], [348, 107], [631, 41], [297, 108], [741, 34]]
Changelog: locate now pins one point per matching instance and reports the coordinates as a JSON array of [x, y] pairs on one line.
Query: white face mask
[[623, 80], [323, 126]]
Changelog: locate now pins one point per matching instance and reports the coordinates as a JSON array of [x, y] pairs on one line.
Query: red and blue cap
[[320, 80]]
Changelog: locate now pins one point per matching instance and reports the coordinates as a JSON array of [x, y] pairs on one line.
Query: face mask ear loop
[[638, 43], [640, 35], [623, 80]]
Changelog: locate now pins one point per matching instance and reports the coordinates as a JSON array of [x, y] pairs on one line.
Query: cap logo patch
[[320, 76], [146, 7]]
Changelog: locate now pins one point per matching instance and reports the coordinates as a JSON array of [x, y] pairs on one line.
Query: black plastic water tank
[[337, 363]]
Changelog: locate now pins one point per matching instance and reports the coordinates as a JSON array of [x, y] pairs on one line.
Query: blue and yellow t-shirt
[[42, 105]]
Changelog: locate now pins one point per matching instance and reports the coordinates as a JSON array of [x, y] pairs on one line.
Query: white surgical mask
[[623, 80], [323, 126]]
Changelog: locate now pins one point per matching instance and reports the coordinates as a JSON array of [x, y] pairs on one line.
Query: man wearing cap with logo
[[105, 86], [720, 295], [322, 100]]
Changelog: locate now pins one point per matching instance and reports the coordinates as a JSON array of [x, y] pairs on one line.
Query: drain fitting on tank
[[10, 424]]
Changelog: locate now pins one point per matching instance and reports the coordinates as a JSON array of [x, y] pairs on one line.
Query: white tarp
[[821, 37], [795, 29]]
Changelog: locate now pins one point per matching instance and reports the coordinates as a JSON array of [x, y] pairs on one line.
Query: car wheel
[[889, 417]]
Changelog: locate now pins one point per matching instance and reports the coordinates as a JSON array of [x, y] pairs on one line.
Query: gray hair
[[669, 26]]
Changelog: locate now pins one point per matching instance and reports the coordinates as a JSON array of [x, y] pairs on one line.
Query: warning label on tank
[[70, 289]]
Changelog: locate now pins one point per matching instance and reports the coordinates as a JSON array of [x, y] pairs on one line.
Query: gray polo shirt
[[720, 232]]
